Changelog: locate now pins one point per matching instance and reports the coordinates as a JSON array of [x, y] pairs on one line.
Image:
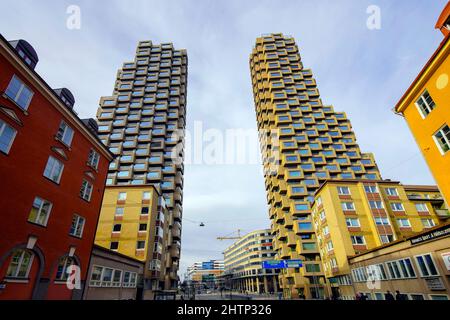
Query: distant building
[[205, 274], [243, 264], [417, 266], [354, 216], [424, 107], [53, 170], [113, 276]]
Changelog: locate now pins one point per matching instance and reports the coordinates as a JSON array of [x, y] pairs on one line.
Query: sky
[[360, 71]]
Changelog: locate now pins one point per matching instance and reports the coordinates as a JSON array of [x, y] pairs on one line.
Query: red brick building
[[52, 175]]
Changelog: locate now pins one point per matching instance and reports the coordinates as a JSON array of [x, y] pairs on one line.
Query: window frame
[[56, 160], [3, 125], [66, 129], [19, 264], [79, 218], [426, 265], [38, 214], [19, 93]]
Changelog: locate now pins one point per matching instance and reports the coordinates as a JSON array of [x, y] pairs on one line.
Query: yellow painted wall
[[130, 219], [437, 82]]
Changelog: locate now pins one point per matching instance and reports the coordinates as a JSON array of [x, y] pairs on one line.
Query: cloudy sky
[[360, 71]]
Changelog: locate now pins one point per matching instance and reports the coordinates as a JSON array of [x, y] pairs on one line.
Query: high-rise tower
[[314, 143], [143, 124]]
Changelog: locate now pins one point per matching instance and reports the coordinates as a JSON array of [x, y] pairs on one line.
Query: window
[[442, 138], [65, 133], [107, 277], [19, 93], [358, 240], [122, 196], [117, 227], [86, 190], [376, 204], [386, 238], [439, 297], [348, 206], [62, 271], [421, 207], [371, 189], [93, 159], [76, 229], [352, 222], [401, 269], [96, 276], [140, 245], [397, 206], [120, 211], [40, 211], [144, 210], [391, 191], [425, 104], [143, 227], [428, 223], [53, 169], [381, 221], [20, 264], [416, 296], [117, 278], [305, 226], [7, 135], [403, 223], [146, 195], [129, 279], [114, 245], [343, 190], [329, 246]]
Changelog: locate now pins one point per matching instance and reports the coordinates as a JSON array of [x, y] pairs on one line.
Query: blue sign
[[282, 264]]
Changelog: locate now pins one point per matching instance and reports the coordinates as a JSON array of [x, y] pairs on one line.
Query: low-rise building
[[243, 264], [417, 266], [113, 276], [134, 221], [353, 216]]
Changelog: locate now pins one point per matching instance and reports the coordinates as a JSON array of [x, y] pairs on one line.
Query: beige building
[[113, 276], [243, 264], [418, 267]]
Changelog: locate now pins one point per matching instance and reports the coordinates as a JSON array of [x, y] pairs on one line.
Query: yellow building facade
[[353, 216], [424, 106], [134, 221], [303, 143]]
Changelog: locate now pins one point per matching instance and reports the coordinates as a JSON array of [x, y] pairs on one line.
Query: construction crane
[[231, 237]]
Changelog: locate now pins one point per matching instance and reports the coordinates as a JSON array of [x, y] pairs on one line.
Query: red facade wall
[[21, 177]]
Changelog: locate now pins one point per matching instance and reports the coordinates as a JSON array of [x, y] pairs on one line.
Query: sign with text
[[281, 264], [438, 233]]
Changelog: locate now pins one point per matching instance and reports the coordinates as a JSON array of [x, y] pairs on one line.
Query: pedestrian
[[399, 296], [389, 296]]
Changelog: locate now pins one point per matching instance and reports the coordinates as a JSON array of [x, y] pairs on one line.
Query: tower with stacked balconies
[[312, 143], [143, 124]]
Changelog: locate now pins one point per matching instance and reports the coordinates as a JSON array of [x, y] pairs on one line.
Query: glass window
[[348, 206], [442, 138], [40, 211], [428, 223], [426, 265], [53, 169], [122, 196], [20, 264], [62, 271], [65, 133], [19, 93], [93, 159], [7, 135], [86, 190], [397, 206], [76, 229], [343, 190], [425, 104]]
